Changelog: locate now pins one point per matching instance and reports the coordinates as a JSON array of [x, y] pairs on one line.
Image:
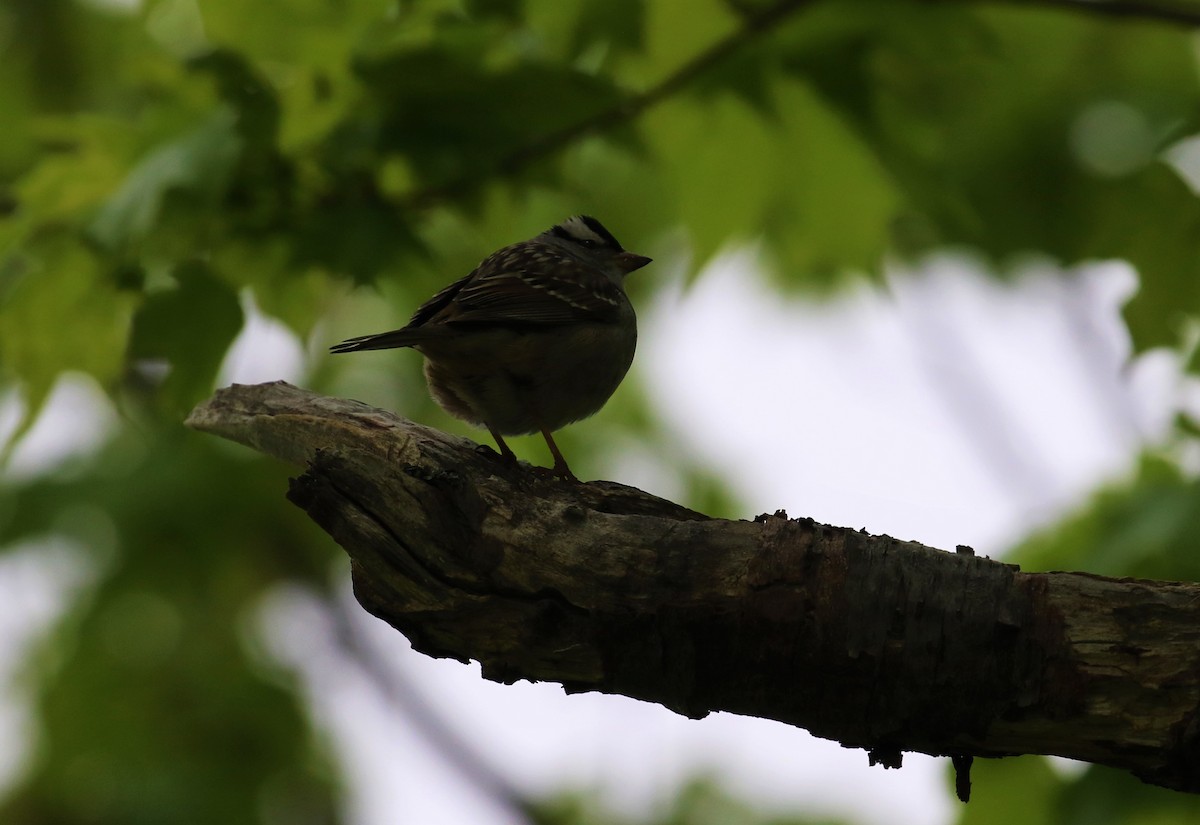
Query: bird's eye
[[587, 243]]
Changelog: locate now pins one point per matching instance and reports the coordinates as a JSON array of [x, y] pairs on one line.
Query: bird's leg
[[505, 452], [560, 464]]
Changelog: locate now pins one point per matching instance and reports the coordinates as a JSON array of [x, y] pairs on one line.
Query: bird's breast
[[520, 382]]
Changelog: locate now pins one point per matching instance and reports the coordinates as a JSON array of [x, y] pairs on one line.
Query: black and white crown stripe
[[586, 230]]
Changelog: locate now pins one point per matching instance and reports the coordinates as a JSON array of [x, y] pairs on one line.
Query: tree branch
[[1130, 9], [871, 641]]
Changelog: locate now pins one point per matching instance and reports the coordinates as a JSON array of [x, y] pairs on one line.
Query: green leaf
[[246, 92], [283, 287], [833, 205], [287, 34], [191, 328], [802, 181], [1106, 796], [197, 166], [1005, 791], [58, 312], [675, 33], [71, 181], [353, 230], [616, 23], [509, 10], [1144, 527], [721, 187], [1164, 247], [746, 73], [453, 118]]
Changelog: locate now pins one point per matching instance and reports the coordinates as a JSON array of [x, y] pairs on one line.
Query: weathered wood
[[874, 642]]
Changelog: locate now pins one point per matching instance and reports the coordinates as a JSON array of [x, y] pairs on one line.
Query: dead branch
[[874, 642]]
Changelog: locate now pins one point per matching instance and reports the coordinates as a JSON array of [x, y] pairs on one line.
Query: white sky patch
[[265, 350], [1184, 157], [392, 773], [77, 419], [876, 410], [38, 582]]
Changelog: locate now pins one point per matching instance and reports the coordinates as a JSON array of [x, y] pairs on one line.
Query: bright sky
[[954, 410]]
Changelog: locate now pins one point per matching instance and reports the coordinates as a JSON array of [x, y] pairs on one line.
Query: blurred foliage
[[164, 163], [151, 709], [700, 802], [1031, 790], [1145, 526], [1012, 790]]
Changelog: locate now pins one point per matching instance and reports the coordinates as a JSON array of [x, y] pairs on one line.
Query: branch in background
[[406, 698], [1129, 9], [754, 25], [874, 642]]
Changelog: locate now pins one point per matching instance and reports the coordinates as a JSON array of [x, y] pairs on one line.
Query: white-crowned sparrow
[[537, 336]]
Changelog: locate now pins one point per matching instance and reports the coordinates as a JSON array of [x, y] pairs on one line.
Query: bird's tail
[[382, 340]]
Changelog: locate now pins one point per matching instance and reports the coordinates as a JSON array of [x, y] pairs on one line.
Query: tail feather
[[383, 340]]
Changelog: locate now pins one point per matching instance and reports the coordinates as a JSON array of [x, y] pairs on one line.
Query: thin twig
[[1139, 9]]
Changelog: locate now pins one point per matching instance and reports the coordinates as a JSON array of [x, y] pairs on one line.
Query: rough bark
[[874, 642]]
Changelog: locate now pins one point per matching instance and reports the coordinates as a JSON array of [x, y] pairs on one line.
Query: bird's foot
[[563, 473]]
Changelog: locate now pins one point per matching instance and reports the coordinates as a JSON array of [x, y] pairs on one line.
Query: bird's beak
[[628, 261]]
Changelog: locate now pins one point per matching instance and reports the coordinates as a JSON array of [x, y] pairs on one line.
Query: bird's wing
[[440, 302], [504, 290]]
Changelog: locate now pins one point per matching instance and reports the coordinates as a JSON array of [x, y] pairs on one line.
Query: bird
[[537, 336]]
